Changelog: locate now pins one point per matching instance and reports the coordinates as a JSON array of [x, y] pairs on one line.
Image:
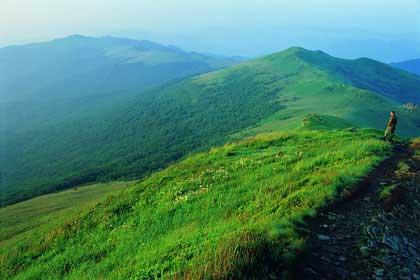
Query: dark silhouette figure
[[390, 127]]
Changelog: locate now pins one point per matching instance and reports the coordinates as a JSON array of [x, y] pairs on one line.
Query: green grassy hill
[[367, 74], [145, 132], [34, 217], [324, 122], [234, 211]]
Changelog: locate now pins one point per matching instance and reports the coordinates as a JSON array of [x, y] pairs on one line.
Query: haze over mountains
[[342, 42], [100, 65], [70, 75], [412, 66], [135, 132], [209, 139]]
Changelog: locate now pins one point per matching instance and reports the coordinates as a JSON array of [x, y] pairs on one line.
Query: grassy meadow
[[233, 211], [33, 217]]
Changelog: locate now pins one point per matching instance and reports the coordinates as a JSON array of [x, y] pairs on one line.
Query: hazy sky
[[242, 27]]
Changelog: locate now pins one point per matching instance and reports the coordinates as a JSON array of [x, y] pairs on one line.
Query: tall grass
[[234, 211], [33, 217]]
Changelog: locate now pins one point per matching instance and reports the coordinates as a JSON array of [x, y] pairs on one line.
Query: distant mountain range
[[342, 42], [141, 131], [412, 66], [69, 75], [98, 65]]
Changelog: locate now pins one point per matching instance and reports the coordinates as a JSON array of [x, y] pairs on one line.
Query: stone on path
[[323, 237]]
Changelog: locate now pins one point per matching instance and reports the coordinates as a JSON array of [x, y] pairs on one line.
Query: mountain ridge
[[358, 72], [89, 48], [412, 65], [164, 124], [66, 75]]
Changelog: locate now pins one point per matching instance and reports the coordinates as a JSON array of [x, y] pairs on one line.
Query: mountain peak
[[75, 37], [300, 53], [295, 49], [364, 73]]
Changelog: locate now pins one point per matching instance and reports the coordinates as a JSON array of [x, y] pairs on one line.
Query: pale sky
[[232, 27]]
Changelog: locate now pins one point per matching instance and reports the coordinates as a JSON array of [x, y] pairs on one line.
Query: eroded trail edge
[[376, 233]]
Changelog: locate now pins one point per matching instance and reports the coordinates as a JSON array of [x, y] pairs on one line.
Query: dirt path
[[359, 239]]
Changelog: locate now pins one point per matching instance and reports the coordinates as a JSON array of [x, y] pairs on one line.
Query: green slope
[[235, 211], [368, 74], [324, 122], [146, 132], [32, 218]]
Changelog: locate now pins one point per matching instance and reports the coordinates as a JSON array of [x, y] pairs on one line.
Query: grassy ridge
[[21, 221], [134, 138], [365, 73], [232, 211]]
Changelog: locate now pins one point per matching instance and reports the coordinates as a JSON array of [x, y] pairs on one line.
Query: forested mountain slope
[[45, 83], [147, 131]]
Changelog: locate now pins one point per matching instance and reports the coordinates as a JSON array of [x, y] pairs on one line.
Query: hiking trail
[[366, 237]]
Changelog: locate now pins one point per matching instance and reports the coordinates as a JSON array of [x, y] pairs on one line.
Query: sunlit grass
[[235, 210], [22, 220]]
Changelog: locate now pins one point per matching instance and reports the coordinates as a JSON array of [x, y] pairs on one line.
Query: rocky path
[[368, 237]]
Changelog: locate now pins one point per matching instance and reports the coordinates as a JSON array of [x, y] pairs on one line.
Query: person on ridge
[[390, 127]]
